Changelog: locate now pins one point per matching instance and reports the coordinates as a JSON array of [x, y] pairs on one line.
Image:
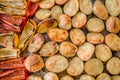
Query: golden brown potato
[[61, 2], [71, 7], [46, 24], [86, 6], [64, 22], [113, 41], [66, 77], [115, 77], [33, 77], [56, 63], [77, 36], [75, 66], [113, 66], [79, 20], [113, 7], [42, 14], [58, 35], [95, 38], [95, 25], [50, 76], [94, 67], [35, 0], [47, 4], [113, 24], [56, 11], [86, 77], [103, 76], [36, 43], [103, 52], [67, 49], [85, 51], [99, 10], [49, 49], [34, 63]]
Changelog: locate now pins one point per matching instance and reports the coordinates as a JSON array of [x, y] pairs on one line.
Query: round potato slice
[[71, 7], [47, 4], [86, 6], [66, 77], [56, 63], [94, 67], [77, 36], [103, 76], [33, 77], [42, 14], [85, 51], [113, 24], [95, 38], [64, 22], [103, 52], [79, 20], [113, 41], [68, 49], [56, 11], [36, 42], [99, 10], [86, 77], [50, 76], [113, 66], [58, 35], [113, 7], [46, 24], [95, 25], [61, 2], [115, 77], [49, 49], [34, 63], [75, 66]]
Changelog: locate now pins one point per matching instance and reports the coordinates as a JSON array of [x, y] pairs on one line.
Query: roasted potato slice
[[47, 4], [113, 24], [77, 36], [27, 34], [71, 11], [113, 66], [75, 66], [50, 76], [61, 2], [36, 43], [86, 6], [56, 63], [46, 24], [99, 10], [8, 53], [86, 76], [113, 7], [79, 20], [34, 63], [9, 40], [103, 76], [66, 77], [117, 77], [64, 22], [42, 14], [50, 48], [58, 35], [94, 67], [34, 77], [113, 41]]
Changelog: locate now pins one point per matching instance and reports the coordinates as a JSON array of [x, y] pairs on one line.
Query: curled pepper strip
[[16, 74], [31, 8]]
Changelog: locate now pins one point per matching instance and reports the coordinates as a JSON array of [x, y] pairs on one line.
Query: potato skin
[[58, 35], [50, 76], [85, 51], [77, 36], [95, 38], [113, 41]]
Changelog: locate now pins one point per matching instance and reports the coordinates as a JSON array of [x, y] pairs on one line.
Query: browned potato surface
[[103, 76], [86, 77], [61, 2], [66, 77], [50, 76]]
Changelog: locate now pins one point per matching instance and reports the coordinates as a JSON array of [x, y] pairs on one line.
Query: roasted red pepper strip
[[16, 74], [12, 63], [31, 8], [24, 21]]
